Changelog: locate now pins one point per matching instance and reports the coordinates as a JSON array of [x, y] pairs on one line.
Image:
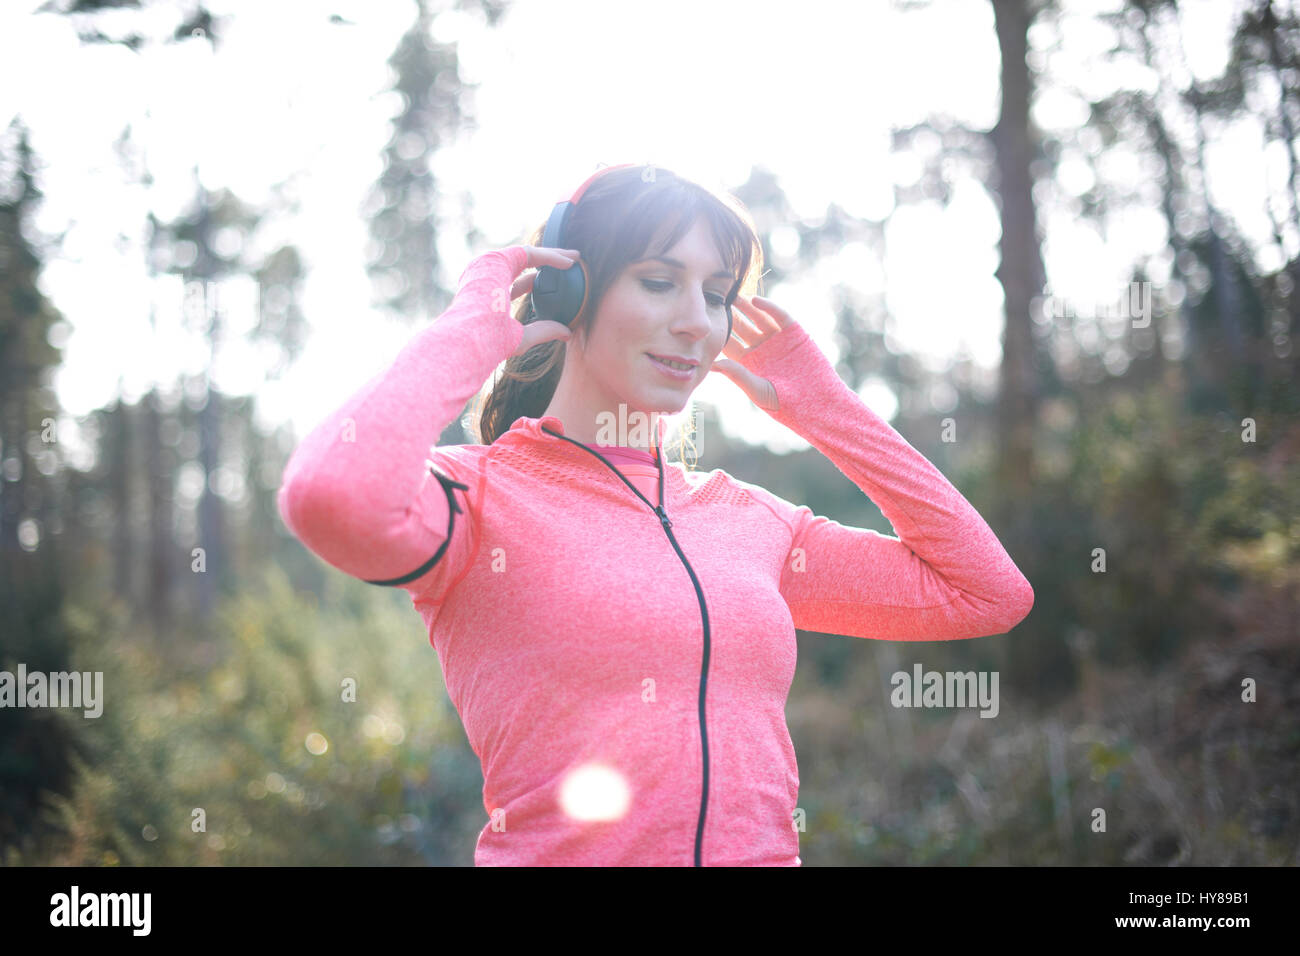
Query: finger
[[758, 389], [734, 348], [537, 333], [746, 329], [728, 369], [525, 282], [743, 331], [778, 314], [522, 285], [754, 316], [757, 318], [549, 256]]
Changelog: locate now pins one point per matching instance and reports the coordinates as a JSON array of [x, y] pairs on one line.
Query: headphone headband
[[553, 234], [560, 294], [577, 193]]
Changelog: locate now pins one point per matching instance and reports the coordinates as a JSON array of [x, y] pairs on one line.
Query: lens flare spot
[[595, 792]]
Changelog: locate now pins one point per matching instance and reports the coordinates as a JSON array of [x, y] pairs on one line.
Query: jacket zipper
[[704, 614]]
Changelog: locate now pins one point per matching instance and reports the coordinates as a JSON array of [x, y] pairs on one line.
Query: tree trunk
[[117, 462], [162, 552], [211, 539], [1021, 274], [1021, 270]]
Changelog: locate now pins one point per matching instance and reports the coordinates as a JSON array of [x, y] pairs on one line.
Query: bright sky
[[808, 91]]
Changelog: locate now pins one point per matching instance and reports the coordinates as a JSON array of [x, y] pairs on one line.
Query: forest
[[1138, 458]]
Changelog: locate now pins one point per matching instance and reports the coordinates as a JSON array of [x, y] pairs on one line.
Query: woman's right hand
[[542, 330]]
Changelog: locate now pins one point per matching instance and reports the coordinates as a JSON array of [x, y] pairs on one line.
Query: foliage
[[394, 781]]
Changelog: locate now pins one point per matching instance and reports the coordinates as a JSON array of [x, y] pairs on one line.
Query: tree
[[35, 749]]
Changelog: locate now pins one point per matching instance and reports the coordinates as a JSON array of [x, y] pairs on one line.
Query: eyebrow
[[668, 260]]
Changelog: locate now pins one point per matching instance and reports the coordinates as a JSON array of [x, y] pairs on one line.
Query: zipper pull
[[667, 522]]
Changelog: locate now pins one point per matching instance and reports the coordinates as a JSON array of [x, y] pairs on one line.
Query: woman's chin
[[665, 401]]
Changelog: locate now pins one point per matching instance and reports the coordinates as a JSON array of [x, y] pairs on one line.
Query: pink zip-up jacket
[[621, 664]]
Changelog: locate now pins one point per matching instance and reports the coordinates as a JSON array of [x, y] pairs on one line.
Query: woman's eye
[[654, 285]]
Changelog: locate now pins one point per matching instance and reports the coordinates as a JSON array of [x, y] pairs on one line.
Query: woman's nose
[[697, 317]]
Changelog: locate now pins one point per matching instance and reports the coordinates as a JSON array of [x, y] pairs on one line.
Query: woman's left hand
[[756, 321]]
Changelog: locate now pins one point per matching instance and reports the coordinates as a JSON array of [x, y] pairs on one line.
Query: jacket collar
[[526, 431], [535, 428]]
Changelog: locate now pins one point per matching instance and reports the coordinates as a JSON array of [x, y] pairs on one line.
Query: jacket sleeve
[[945, 577], [367, 490]]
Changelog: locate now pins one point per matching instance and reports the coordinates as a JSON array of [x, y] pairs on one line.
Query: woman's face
[[656, 307]]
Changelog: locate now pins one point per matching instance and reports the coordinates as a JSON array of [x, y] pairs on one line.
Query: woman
[[617, 632]]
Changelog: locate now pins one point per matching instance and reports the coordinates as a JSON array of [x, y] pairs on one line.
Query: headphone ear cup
[[574, 286], [559, 294]]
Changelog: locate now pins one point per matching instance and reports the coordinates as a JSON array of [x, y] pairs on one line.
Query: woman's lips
[[681, 375]]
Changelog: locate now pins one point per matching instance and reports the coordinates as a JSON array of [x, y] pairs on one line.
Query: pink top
[[621, 669], [623, 455], [637, 466]]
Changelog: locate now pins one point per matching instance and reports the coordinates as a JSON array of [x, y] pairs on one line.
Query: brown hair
[[612, 226]]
